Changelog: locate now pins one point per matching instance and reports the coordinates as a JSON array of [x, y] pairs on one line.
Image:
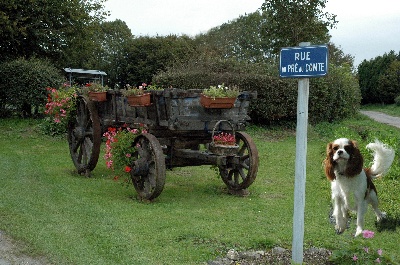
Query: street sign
[[304, 62]]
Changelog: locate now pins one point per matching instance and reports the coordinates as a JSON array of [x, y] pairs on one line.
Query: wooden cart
[[178, 125]]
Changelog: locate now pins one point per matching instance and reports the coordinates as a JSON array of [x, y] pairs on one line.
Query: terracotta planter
[[139, 100], [98, 96], [217, 103]]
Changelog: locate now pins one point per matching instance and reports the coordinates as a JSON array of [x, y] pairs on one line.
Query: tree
[[147, 56], [294, 21], [338, 57], [44, 28], [369, 73], [114, 39], [389, 83], [240, 39]]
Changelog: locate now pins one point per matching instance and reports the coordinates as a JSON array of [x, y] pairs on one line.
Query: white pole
[[300, 168]]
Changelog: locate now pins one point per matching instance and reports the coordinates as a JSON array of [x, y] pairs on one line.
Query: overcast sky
[[366, 28]]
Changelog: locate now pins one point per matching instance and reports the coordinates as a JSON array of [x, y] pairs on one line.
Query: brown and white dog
[[351, 183]]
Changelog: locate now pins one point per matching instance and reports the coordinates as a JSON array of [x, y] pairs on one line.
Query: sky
[[366, 28]]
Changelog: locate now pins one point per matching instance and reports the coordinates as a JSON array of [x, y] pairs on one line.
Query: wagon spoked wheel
[[84, 136], [241, 169], [148, 168]]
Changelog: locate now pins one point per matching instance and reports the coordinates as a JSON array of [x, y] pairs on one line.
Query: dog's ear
[[355, 163], [328, 163]]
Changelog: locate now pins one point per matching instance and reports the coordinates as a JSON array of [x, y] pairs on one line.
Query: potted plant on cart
[[223, 143], [137, 96], [221, 96], [96, 91]]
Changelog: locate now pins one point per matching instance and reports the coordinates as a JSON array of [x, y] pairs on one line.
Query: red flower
[[127, 169]]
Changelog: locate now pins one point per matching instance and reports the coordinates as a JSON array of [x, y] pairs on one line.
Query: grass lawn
[[71, 219]]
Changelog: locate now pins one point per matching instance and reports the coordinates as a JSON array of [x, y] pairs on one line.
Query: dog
[[351, 183]]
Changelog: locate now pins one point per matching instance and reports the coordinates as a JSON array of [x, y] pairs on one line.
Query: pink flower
[[128, 155], [368, 234], [378, 260], [379, 252], [355, 257], [366, 249]]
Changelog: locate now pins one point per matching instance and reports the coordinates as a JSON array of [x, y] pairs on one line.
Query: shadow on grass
[[390, 223]]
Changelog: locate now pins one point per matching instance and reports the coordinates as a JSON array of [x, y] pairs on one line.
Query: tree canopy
[[44, 28], [294, 21]]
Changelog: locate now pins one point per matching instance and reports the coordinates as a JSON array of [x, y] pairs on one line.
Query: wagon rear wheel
[[84, 136], [241, 170], [148, 169]]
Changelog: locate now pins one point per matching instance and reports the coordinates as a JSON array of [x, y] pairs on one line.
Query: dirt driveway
[[383, 118]]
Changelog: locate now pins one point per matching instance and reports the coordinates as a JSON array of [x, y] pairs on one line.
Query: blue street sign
[[307, 61]]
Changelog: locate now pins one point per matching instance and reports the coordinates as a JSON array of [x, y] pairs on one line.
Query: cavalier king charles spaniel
[[351, 184]]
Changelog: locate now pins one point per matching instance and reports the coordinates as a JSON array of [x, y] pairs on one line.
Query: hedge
[[333, 97], [23, 85]]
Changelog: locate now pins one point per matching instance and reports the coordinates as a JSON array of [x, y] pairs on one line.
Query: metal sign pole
[[300, 168]]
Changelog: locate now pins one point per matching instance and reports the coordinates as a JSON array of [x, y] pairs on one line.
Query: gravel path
[[10, 253], [383, 118]]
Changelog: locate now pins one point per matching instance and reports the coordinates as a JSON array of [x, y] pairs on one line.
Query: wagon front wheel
[[241, 169], [148, 168], [84, 136]]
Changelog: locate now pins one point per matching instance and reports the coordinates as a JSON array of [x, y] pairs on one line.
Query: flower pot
[[217, 103], [139, 100], [98, 96], [221, 148]]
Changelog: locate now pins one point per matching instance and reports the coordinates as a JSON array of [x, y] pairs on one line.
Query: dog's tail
[[383, 158]]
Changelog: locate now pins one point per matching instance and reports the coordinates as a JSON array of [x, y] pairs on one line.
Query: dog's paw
[[358, 231], [339, 230]]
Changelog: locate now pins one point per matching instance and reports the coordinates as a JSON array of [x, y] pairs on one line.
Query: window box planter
[[217, 103]]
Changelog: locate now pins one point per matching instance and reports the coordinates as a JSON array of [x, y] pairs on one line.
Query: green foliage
[[24, 83], [221, 91], [44, 28], [379, 79], [60, 109], [335, 96], [241, 38], [148, 56], [113, 39], [119, 148], [389, 82], [359, 251], [292, 22], [397, 100]]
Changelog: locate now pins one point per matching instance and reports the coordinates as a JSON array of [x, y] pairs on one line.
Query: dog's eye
[[335, 148], [348, 148]]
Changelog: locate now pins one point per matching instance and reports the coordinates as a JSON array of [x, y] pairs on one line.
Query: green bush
[[23, 85], [397, 100], [333, 97]]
